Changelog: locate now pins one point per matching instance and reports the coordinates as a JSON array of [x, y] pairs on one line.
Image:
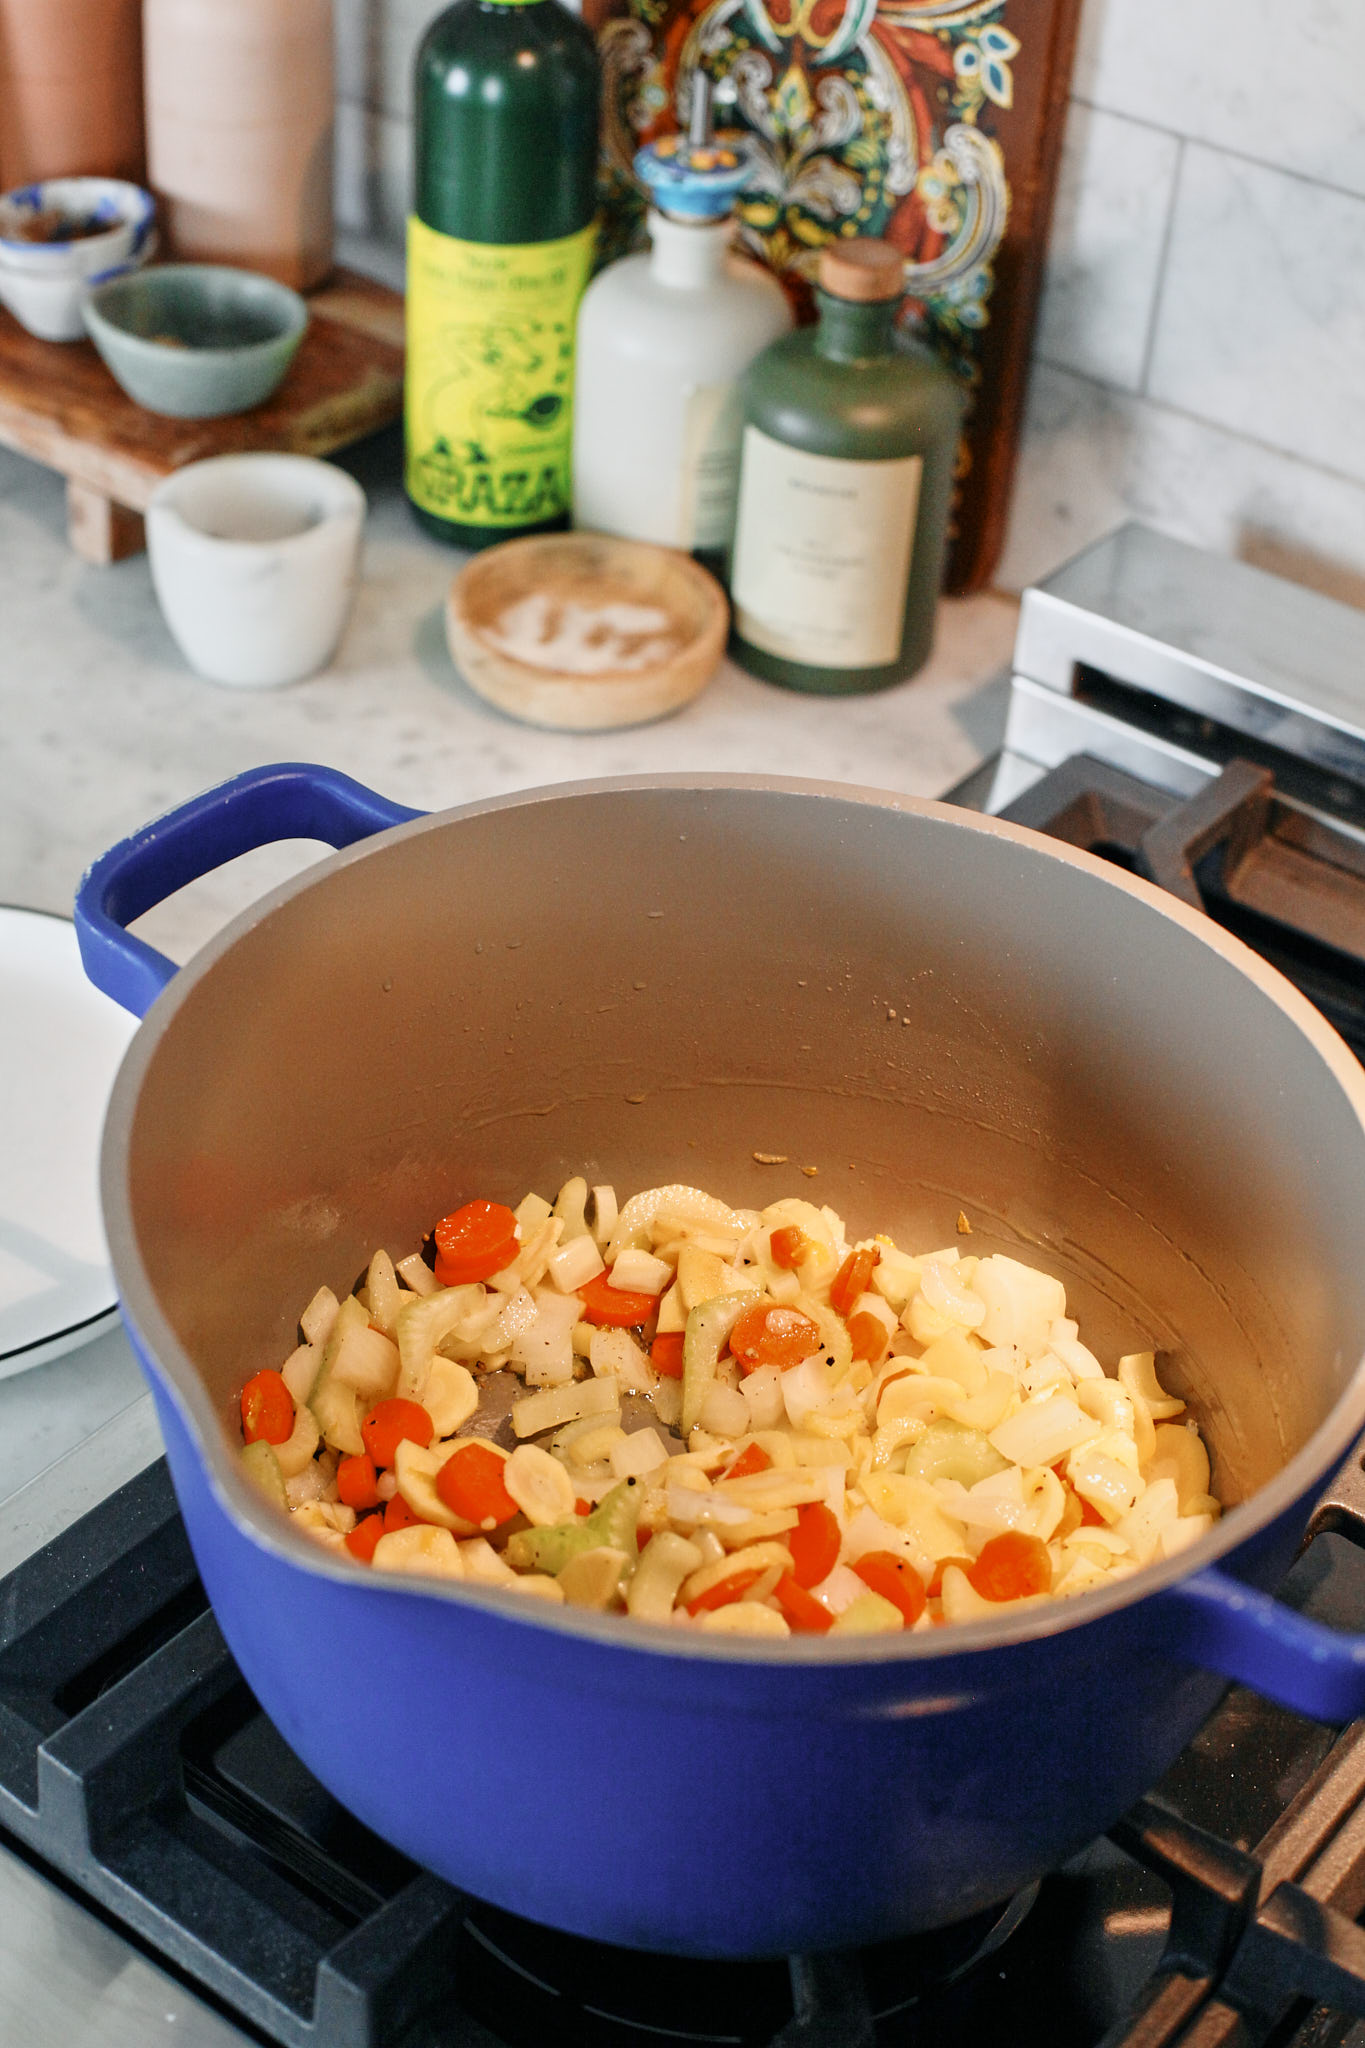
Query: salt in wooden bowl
[[582, 632]]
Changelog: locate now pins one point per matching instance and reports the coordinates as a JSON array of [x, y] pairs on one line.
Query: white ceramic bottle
[[662, 340]]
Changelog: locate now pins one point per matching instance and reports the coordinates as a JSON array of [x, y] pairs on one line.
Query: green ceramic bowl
[[196, 340]]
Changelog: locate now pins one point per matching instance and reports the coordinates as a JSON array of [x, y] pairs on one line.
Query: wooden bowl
[[581, 632]]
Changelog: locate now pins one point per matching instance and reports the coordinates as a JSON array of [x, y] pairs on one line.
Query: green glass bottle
[[499, 250], [846, 479]]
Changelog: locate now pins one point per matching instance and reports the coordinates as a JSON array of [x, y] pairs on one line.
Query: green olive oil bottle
[[846, 478], [499, 250]]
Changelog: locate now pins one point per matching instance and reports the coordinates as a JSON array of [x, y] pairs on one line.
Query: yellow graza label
[[490, 375]]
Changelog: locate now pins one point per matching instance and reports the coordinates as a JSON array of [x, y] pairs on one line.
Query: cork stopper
[[862, 269]]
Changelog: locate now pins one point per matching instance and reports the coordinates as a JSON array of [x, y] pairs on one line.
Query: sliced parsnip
[[744, 1618], [593, 1578], [665, 1563], [868, 1615], [1137, 1372], [450, 1397], [755, 1557], [427, 1552], [539, 1485], [415, 1470]]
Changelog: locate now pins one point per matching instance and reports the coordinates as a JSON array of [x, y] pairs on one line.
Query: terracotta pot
[[70, 90], [239, 131]]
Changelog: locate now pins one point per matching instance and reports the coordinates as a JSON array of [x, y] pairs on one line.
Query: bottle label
[[822, 553], [710, 466], [489, 416]]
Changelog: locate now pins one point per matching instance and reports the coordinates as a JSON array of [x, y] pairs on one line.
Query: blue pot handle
[[288, 800], [1216, 1621]]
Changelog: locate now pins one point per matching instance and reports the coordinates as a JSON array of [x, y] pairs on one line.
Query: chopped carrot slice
[[769, 1334], [364, 1536], [869, 1336], [814, 1543], [615, 1308], [474, 1242], [582, 1507], [852, 1277], [471, 1485], [753, 1458], [1011, 1566], [398, 1515], [788, 1246], [666, 1355], [802, 1609], [733, 1588], [389, 1422], [357, 1482], [642, 1537], [267, 1409], [1091, 1518], [896, 1579]]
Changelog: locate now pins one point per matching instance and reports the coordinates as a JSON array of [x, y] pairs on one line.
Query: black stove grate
[[136, 1767]]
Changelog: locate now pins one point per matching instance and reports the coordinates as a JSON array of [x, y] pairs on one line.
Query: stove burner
[[639, 2001], [136, 1767], [1279, 877]]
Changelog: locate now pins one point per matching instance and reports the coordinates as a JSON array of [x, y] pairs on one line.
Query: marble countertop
[[105, 726]]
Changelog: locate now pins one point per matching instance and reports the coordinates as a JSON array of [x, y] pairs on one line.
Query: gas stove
[[170, 1872]]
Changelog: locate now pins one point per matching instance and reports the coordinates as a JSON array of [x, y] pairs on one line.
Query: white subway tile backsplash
[[1104, 257], [1092, 457], [1261, 322], [373, 173], [1283, 84], [397, 27]]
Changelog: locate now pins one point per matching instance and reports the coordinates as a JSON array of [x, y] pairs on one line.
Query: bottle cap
[[862, 269], [696, 176]]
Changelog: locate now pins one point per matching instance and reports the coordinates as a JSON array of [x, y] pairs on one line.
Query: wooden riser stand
[[60, 406]]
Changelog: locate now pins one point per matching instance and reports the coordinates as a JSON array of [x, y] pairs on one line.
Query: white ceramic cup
[[254, 563]]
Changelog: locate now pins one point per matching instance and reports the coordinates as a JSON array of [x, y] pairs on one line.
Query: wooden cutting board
[[59, 405], [934, 123]]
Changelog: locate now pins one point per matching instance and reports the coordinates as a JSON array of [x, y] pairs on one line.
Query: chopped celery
[[708, 1326], [420, 1328], [949, 1450], [386, 1296], [336, 1406], [835, 1341], [262, 1468], [611, 1526]]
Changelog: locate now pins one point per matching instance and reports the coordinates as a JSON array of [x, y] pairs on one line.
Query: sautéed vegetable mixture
[[722, 1419]]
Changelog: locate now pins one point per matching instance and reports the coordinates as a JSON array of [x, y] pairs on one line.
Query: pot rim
[[1309, 1466]]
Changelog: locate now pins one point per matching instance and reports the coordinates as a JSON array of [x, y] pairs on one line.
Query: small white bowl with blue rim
[[44, 283]]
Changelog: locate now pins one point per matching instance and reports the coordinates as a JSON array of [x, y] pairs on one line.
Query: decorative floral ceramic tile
[[864, 117]]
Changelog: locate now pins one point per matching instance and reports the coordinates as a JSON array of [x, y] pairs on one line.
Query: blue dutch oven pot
[[654, 980]]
